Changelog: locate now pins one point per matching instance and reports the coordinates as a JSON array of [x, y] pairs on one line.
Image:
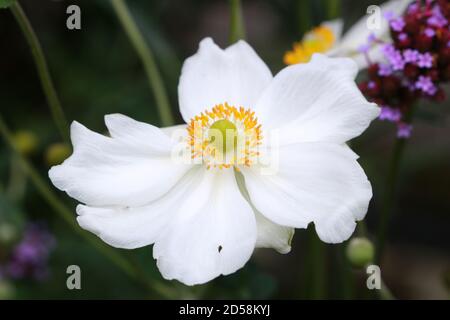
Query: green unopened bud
[[6, 290], [57, 153], [8, 233], [360, 252], [223, 135], [26, 142]]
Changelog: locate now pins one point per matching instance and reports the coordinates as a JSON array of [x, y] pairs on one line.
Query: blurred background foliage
[[96, 71]]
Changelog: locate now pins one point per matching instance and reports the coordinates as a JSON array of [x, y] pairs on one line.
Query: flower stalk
[[391, 184], [385, 293], [17, 181], [303, 16], [42, 69], [237, 28], [145, 54], [317, 267], [333, 8]]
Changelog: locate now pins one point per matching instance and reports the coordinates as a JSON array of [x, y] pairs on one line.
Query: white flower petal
[[132, 168], [213, 232], [173, 129], [272, 235], [336, 27], [135, 227], [316, 101], [212, 76], [315, 182], [375, 55], [127, 228], [358, 34], [137, 134]]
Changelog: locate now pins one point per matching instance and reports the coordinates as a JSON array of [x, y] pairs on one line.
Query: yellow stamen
[[318, 40], [225, 137]]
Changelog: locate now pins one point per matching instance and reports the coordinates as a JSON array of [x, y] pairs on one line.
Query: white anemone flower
[[328, 38], [205, 217]]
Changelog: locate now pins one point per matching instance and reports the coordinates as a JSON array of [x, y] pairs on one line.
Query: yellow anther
[[225, 137]]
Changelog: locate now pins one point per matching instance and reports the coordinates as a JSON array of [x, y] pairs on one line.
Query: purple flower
[[437, 19], [410, 85], [404, 130], [410, 55], [429, 32], [364, 48], [402, 36], [29, 257], [390, 114], [27, 251], [389, 15], [371, 38], [384, 70], [425, 60], [413, 8], [394, 57], [388, 49], [397, 24], [426, 85], [371, 85], [396, 60]]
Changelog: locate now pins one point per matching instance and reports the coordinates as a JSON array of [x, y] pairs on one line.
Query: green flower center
[[223, 135]]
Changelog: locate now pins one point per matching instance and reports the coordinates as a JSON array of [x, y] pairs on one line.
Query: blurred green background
[[96, 71]]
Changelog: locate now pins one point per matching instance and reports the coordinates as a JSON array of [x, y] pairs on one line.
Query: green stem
[[315, 269], [303, 16], [391, 183], [344, 275], [17, 181], [319, 276], [385, 293], [66, 214], [362, 230], [42, 69], [237, 28], [154, 78], [333, 8]]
